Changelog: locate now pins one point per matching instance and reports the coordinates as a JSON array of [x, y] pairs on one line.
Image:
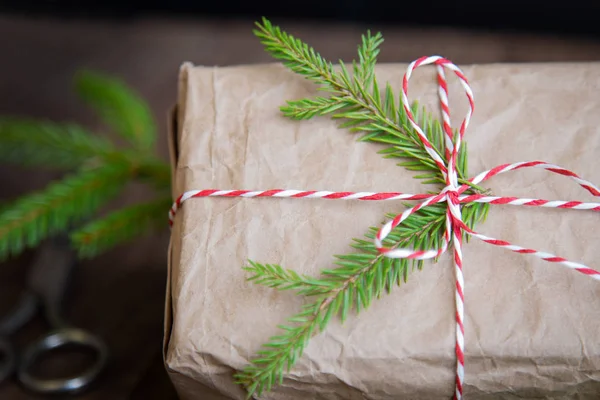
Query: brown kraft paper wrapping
[[532, 328]]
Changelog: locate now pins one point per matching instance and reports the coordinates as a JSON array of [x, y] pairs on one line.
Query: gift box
[[531, 327]]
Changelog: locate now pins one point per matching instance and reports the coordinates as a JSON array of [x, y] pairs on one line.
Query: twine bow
[[452, 194]]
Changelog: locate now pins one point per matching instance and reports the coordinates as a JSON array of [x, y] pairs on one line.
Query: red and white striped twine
[[453, 195]]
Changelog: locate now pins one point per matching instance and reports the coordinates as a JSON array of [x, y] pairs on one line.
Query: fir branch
[[36, 216], [359, 278], [119, 106], [43, 143], [357, 101], [68, 146], [119, 227]]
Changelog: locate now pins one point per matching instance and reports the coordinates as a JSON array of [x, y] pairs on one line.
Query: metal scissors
[[46, 288]]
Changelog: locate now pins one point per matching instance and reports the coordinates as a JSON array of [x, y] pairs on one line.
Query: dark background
[[120, 294], [576, 17]]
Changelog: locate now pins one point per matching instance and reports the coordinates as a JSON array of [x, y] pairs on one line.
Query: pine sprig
[[102, 170], [119, 227], [359, 278], [358, 102], [35, 143], [364, 275], [364, 70], [121, 108], [36, 216], [274, 276]]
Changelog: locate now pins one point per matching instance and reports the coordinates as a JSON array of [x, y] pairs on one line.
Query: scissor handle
[[60, 338]]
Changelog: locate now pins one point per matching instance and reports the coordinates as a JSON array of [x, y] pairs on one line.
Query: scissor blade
[[49, 276]]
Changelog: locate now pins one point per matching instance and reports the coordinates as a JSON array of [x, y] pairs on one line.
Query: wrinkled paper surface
[[532, 328]]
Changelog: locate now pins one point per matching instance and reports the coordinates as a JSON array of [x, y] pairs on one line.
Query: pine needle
[[34, 143], [121, 108], [36, 216], [120, 227]]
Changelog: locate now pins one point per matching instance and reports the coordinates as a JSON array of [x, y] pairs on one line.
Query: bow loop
[[452, 141]]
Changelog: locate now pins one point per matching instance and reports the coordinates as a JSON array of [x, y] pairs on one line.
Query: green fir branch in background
[[36, 216], [125, 112], [120, 227], [34, 143], [97, 171], [365, 274]]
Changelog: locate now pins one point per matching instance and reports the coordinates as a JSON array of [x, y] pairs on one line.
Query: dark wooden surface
[[120, 295]]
